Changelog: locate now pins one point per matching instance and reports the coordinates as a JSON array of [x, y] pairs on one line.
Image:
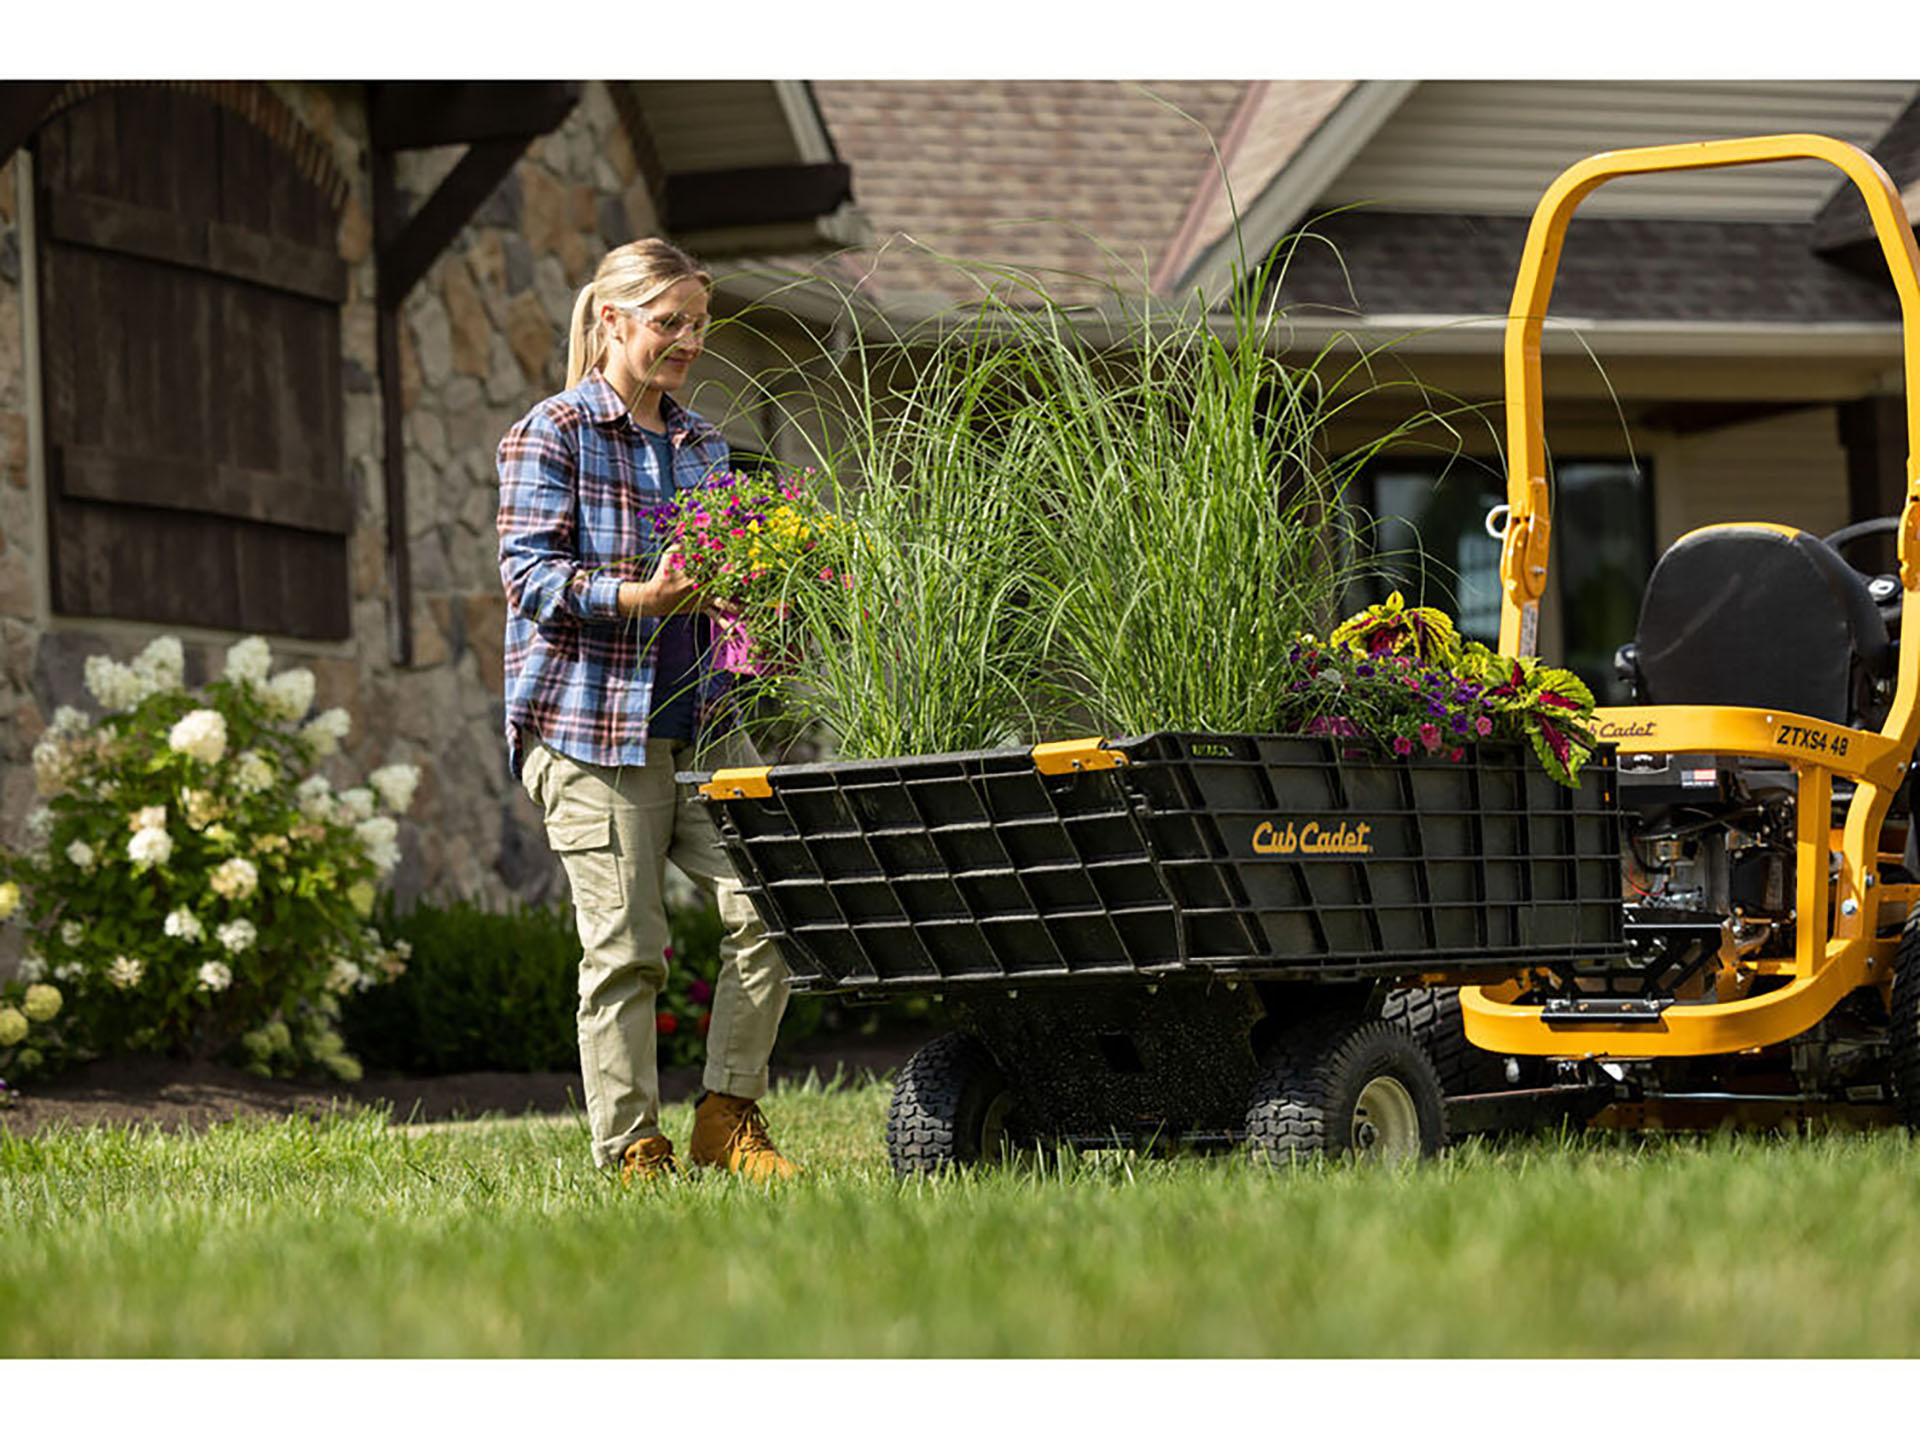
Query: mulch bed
[[180, 1095]]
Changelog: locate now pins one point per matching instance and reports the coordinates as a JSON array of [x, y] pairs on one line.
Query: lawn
[[349, 1238]]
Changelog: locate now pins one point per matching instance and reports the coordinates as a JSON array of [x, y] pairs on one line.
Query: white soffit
[[1491, 147]]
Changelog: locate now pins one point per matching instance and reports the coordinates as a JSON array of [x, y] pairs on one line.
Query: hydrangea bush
[[192, 884]]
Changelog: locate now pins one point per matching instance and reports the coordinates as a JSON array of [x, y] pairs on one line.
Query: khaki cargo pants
[[614, 830]]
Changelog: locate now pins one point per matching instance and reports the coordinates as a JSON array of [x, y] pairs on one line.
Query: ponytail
[[586, 345]]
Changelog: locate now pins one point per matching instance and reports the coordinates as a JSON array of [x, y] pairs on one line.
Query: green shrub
[[498, 990]]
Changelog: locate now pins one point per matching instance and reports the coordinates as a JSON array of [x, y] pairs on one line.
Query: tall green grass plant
[[1061, 519]]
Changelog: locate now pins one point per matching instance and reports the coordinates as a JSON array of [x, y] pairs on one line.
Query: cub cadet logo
[[1633, 729], [1312, 838]]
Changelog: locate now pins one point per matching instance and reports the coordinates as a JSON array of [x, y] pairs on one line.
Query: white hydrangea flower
[[13, 1026], [254, 772], [72, 932], [379, 837], [148, 817], [115, 686], [183, 924], [201, 807], [42, 1003], [214, 975], [326, 730], [201, 734], [81, 854], [395, 785], [150, 847], [235, 879], [343, 975], [162, 665], [356, 804], [69, 721], [125, 972], [289, 695], [39, 824], [314, 796], [49, 764], [32, 969], [68, 973], [236, 935], [249, 660]]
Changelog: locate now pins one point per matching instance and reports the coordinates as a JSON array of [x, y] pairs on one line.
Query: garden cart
[[1281, 941]]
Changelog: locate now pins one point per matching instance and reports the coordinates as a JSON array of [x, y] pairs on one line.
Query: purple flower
[[699, 991]]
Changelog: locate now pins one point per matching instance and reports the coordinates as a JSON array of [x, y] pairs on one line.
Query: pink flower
[[1402, 745], [826, 572], [1482, 725], [1430, 736]]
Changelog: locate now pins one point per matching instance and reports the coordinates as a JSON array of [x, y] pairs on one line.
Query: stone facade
[[482, 339]]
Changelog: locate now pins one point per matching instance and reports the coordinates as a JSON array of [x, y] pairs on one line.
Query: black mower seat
[[1765, 617]]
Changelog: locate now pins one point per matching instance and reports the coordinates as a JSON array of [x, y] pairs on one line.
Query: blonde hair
[[630, 274]]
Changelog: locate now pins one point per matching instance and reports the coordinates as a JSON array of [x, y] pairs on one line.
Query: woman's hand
[[667, 592]]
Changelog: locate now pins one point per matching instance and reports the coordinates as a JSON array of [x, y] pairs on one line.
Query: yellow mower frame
[[1839, 916]]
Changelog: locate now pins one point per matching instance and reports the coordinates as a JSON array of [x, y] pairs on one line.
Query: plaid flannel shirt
[[575, 476]]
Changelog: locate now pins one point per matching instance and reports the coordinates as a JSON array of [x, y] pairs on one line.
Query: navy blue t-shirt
[[676, 671]]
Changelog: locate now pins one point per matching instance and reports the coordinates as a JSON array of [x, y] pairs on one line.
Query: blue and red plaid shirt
[[576, 480]]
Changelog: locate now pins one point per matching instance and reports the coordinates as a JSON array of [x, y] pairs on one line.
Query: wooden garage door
[[190, 340]]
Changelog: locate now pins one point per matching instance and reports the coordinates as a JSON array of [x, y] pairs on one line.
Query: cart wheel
[[950, 1107], [1364, 1090], [1433, 1018], [1903, 1025]]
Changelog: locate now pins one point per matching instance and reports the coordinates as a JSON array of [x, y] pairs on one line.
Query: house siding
[[1493, 146], [1789, 469]]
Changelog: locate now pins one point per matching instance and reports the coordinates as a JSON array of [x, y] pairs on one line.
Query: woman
[[607, 692]]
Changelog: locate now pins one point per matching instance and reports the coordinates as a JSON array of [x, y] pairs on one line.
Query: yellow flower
[[360, 896], [13, 1026], [9, 899]]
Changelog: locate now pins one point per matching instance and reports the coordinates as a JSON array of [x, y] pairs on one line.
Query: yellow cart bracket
[[1838, 948]]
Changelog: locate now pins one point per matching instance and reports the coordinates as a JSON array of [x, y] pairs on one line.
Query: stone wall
[[482, 339]]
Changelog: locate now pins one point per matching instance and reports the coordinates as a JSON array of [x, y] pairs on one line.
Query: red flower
[[666, 1022], [703, 1023]]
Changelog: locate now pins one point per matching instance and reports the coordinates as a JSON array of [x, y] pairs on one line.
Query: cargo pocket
[[584, 844]]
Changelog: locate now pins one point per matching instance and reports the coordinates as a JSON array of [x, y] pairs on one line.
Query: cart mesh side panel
[[1263, 855], [949, 867], [1281, 847]]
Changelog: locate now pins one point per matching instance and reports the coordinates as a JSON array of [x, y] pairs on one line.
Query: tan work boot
[[649, 1159], [732, 1132]]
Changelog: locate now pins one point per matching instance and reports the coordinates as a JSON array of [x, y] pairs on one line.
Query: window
[[1428, 539]]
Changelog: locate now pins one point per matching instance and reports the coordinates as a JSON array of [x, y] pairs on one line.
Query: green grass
[[348, 1238]]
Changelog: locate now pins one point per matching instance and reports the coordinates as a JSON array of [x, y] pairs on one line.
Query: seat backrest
[[1766, 617]]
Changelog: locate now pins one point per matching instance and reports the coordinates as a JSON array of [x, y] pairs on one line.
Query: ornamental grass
[[1057, 520]]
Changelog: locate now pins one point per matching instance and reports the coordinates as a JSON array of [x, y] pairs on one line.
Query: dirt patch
[[180, 1095]]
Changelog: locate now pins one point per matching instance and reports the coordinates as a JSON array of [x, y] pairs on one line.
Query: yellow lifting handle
[[1523, 564]]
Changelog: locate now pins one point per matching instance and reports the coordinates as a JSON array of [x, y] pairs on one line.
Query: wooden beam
[[755, 195], [22, 104], [386, 227], [411, 252], [646, 154], [415, 114]]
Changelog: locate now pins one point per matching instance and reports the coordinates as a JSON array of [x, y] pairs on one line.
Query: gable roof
[[1083, 182]]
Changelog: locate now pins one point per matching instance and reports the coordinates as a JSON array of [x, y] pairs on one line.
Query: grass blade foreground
[[351, 1238]]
